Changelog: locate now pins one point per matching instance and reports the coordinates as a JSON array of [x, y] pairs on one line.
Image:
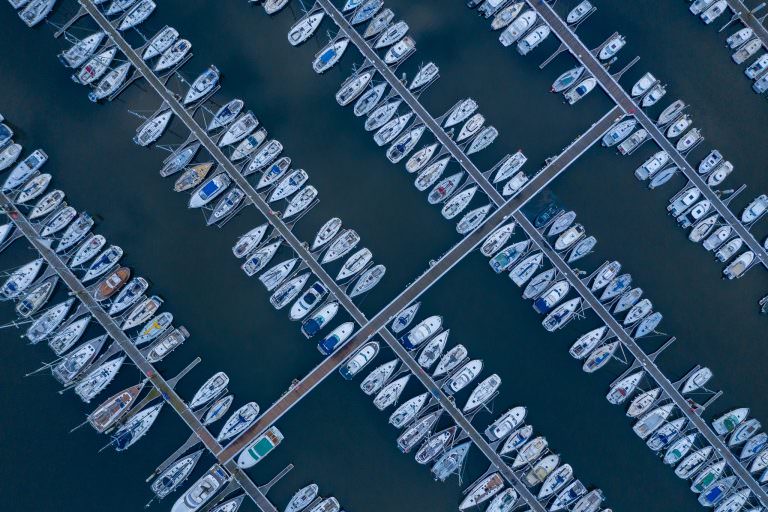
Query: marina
[[371, 324]]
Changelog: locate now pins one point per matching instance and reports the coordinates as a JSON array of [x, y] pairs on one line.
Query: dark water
[[335, 437]]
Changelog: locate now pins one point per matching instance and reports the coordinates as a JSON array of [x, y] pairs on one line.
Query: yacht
[[450, 361], [366, 102], [22, 172], [378, 23], [159, 43], [489, 7], [693, 462], [75, 232], [690, 139], [558, 479], [248, 145], [58, 221], [111, 82], [451, 461], [582, 89], [405, 144], [461, 112], [274, 276], [436, 445], [517, 28], [170, 479], [600, 357], [354, 264], [66, 337], [516, 439], [327, 505], [740, 265], [561, 315], [173, 55], [421, 332], [359, 360], [128, 296], [482, 140], [390, 393], [225, 115], [319, 319], [391, 35], [98, 379], [305, 28], [336, 338], [36, 298], [651, 421], [353, 87], [638, 312], [300, 201], [276, 171], [433, 349], [164, 345], [538, 284], [431, 174], [21, 278], [482, 393], [743, 432], [341, 245], [72, 364], [141, 312], [755, 209], [711, 161], [201, 492], [289, 185], [239, 421], [424, 76], [579, 12], [420, 158], [533, 39], [617, 286], [631, 143], [80, 51], [699, 6], [509, 166], [624, 388], [382, 115], [404, 318], [249, 241], [209, 190], [529, 452], [719, 174], [506, 15], [95, 67], [472, 219], [524, 270], [619, 132], [567, 79], [612, 47], [707, 476], [330, 55], [239, 129], [643, 402], [209, 390], [605, 275], [308, 301], [486, 489], [717, 238], [463, 377], [715, 493], [587, 342], [497, 239], [514, 184], [152, 129], [137, 15], [8, 155], [103, 262], [652, 165], [368, 280], [135, 428], [192, 177], [505, 424], [458, 203], [756, 68], [729, 249], [36, 11], [714, 11], [375, 380], [400, 51], [366, 11], [392, 129]]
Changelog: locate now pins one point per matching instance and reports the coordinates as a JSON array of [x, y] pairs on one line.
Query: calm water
[[336, 437]]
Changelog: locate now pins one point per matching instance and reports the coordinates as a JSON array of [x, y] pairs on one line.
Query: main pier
[[612, 87]]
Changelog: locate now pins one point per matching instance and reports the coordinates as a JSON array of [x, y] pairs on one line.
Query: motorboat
[[702, 228], [308, 301], [643, 85], [209, 190], [335, 338], [201, 492], [578, 13], [319, 319], [164, 345], [657, 92], [755, 209], [569, 237], [740, 265], [111, 284], [421, 332], [719, 174], [463, 377], [631, 143], [756, 68], [712, 160], [505, 16], [517, 28], [678, 127], [505, 424], [533, 39], [359, 360], [400, 51], [714, 11], [612, 47], [689, 140], [582, 89], [305, 27], [717, 238], [619, 132]]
